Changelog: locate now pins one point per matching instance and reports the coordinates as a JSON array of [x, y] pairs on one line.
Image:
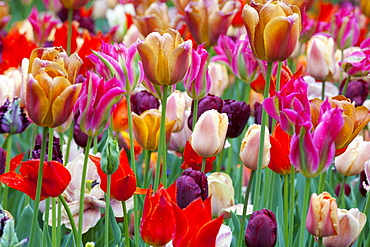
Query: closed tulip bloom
[[273, 29], [74, 4], [320, 56], [219, 78], [176, 110], [250, 147], [280, 150], [365, 7], [238, 113], [351, 223], [142, 101], [208, 138], [261, 229], [357, 91], [165, 57], [158, 221], [322, 217], [50, 89], [96, 103], [12, 117], [221, 191], [146, 128], [352, 161]]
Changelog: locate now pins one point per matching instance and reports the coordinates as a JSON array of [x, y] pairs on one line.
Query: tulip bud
[[347, 189], [352, 161], [176, 110], [238, 113], [191, 185], [109, 161], [322, 217], [262, 229], [250, 147], [13, 120], [219, 78], [142, 101], [221, 191], [357, 91], [208, 138], [351, 224]]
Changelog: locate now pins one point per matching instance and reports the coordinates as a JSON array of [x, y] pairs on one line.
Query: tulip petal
[[208, 233]]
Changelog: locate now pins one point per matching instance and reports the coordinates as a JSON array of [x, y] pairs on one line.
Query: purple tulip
[[56, 153], [96, 103], [13, 120], [238, 113], [357, 91], [2, 160], [191, 185], [262, 229], [317, 145], [197, 82], [142, 101]]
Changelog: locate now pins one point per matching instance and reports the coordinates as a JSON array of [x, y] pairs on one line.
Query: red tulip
[[123, 183], [54, 181], [194, 161], [280, 150], [158, 222], [194, 225]]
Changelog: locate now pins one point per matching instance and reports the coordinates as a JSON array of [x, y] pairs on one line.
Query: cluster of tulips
[[184, 123]]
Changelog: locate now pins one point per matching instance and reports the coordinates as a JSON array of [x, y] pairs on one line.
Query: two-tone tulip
[[50, 89], [322, 217], [165, 57], [176, 110], [208, 138], [365, 7], [74, 4], [273, 29], [221, 192], [146, 128], [96, 103], [12, 117]]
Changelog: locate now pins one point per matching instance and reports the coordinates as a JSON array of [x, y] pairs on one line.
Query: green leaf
[[23, 228], [9, 237]]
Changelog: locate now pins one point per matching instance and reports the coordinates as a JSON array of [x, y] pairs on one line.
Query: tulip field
[[184, 123]]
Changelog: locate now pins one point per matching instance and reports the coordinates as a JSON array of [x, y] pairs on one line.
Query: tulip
[[315, 88], [250, 147], [120, 117], [192, 184], [179, 140], [146, 128], [50, 89], [322, 217], [209, 133], [74, 4], [238, 113], [2, 160], [208, 19], [273, 29], [123, 180], [219, 78], [357, 91], [194, 161], [55, 178], [7, 89], [346, 189], [365, 7], [96, 103], [358, 63], [197, 82], [366, 181], [221, 192], [261, 229], [352, 161], [142, 101], [13, 120], [317, 146], [158, 221], [4, 14], [320, 56], [176, 110], [165, 57], [42, 27], [154, 17], [351, 224], [279, 152], [194, 224], [355, 118], [56, 152]]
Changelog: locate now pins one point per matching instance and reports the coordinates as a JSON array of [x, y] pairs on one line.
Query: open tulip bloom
[[184, 123]]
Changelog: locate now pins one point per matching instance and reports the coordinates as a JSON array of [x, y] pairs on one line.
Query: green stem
[[133, 165], [125, 223], [322, 180], [367, 212], [71, 220], [59, 223], [247, 92], [245, 207], [278, 76], [147, 156], [323, 90], [320, 242], [240, 184], [229, 155], [70, 137], [45, 232], [219, 160], [291, 206], [306, 196], [69, 33], [161, 144], [346, 85], [266, 189], [262, 141], [341, 192], [195, 112], [204, 161], [95, 145], [54, 222], [38, 188], [82, 191], [107, 203], [286, 210], [7, 168]]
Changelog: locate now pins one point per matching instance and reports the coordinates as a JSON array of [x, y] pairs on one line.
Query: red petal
[[55, 178], [16, 161], [208, 233]]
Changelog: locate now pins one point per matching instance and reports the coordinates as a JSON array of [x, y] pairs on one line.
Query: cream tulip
[[221, 191]]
